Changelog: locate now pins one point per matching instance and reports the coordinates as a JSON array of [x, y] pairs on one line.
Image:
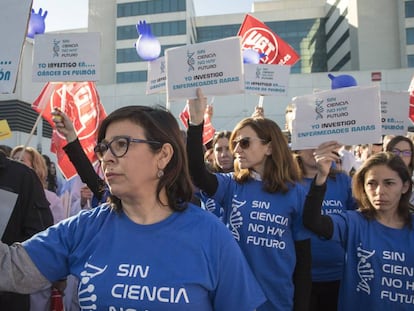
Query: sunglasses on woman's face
[[244, 142], [402, 153]]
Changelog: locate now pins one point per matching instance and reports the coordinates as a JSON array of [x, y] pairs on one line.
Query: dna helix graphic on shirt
[[87, 297], [364, 269], [236, 219]]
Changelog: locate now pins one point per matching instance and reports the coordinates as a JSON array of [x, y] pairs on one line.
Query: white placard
[[215, 66], [264, 79], [7, 202], [349, 115], [394, 112], [157, 76], [66, 57], [14, 17]]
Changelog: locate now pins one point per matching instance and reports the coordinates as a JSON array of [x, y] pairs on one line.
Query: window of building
[[130, 55], [410, 35], [131, 76], [150, 7], [409, 9], [158, 29], [410, 61]]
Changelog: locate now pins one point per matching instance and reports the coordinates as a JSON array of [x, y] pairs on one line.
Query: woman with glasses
[[378, 238], [147, 248], [404, 148], [262, 203]]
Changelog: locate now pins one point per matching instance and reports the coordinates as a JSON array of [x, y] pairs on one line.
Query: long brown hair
[[280, 168], [394, 163]]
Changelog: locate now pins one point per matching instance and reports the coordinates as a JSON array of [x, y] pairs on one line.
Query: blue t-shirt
[[379, 269], [170, 265], [265, 225], [328, 255]]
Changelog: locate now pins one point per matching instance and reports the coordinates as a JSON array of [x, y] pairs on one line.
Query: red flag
[[257, 36], [208, 129], [411, 91], [80, 101]]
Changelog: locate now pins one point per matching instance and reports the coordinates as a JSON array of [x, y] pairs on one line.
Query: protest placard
[[14, 17], [157, 76], [394, 112], [5, 131], [263, 79], [215, 66], [66, 57], [349, 115], [7, 201]]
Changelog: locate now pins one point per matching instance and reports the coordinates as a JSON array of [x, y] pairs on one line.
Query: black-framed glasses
[[402, 153], [119, 146], [244, 142]]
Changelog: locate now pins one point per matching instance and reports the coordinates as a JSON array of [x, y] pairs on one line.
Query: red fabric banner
[[80, 101], [257, 36], [411, 91], [208, 129]]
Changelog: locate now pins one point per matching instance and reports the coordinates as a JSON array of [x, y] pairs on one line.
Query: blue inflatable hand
[[341, 81], [36, 23], [148, 47]]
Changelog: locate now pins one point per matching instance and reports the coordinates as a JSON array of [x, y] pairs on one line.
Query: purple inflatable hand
[[36, 23], [148, 47]]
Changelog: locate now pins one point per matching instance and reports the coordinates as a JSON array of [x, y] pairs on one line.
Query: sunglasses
[[402, 153], [119, 146], [244, 142]]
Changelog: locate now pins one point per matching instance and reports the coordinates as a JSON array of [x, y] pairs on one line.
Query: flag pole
[[39, 117], [261, 99]]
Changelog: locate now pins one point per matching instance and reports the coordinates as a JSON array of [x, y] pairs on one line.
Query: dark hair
[[395, 140], [396, 164], [280, 169], [158, 125], [6, 150], [218, 135]]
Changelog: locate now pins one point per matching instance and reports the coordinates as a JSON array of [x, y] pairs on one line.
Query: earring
[[160, 173]]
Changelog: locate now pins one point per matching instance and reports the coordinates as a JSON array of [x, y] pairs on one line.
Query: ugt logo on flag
[[257, 36]]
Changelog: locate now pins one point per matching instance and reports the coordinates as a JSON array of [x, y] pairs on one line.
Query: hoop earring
[[160, 173]]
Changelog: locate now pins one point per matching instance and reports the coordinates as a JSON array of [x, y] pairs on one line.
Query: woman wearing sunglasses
[[147, 248], [262, 203]]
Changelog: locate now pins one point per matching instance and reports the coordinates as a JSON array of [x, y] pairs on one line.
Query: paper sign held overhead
[[394, 111], [349, 115], [14, 17], [66, 57], [263, 79], [215, 66], [157, 76]]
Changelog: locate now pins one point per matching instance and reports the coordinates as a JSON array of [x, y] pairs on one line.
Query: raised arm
[[77, 155], [312, 218], [202, 178]]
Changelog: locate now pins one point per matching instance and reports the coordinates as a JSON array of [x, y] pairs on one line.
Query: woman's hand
[[64, 125], [197, 108], [324, 155]]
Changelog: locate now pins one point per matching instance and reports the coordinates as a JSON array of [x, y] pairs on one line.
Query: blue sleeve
[[56, 250]]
